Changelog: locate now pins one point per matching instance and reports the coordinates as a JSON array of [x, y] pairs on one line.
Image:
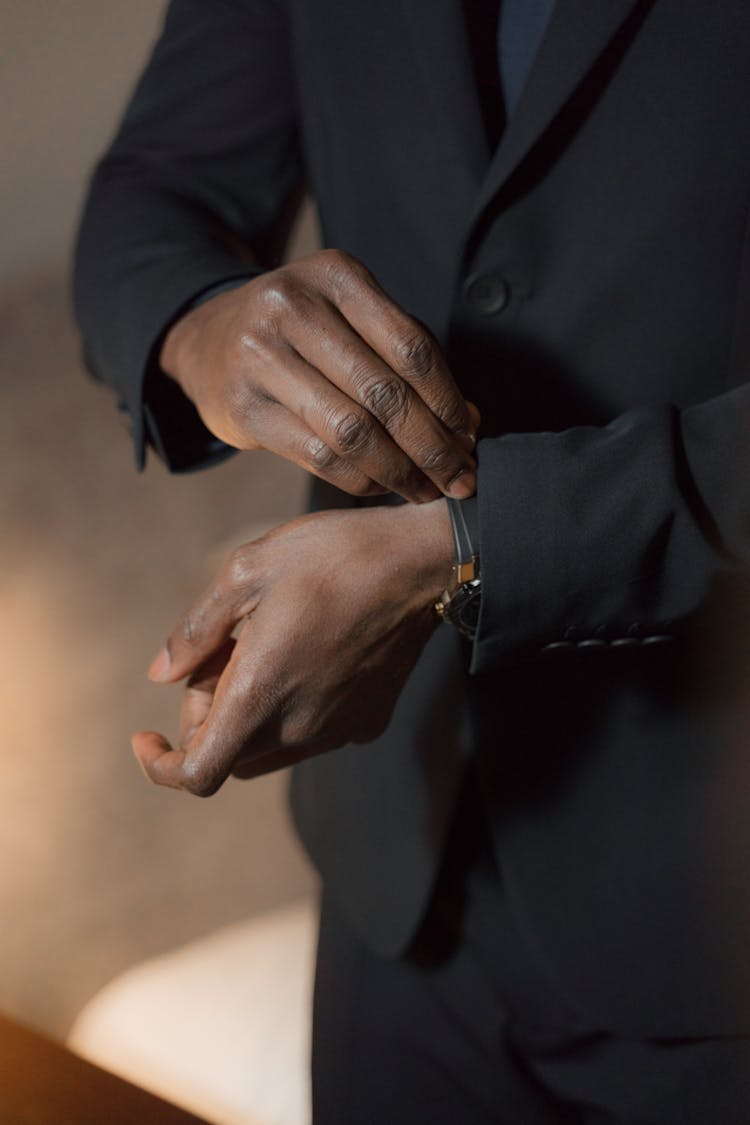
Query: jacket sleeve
[[614, 537], [198, 187]]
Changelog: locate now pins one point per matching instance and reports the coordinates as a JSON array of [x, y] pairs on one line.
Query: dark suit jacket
[[607, 346]]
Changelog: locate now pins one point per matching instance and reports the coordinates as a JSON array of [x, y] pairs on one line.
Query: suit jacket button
[[559, 646], [591, 644], [486, 293], [624, 642]]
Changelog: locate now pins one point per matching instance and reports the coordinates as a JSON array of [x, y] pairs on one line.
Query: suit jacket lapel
[[578, 33]]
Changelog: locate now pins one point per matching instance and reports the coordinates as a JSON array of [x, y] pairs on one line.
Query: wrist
[[195, 337], [423, 546], [179, 344]]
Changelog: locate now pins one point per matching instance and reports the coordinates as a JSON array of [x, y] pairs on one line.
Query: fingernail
[[463, 486], [160, 666]]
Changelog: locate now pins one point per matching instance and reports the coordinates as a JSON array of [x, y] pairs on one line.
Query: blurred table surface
[[41, 1083]]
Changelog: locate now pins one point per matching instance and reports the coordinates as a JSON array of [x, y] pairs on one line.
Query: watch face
[[463, 610], [469, 612]]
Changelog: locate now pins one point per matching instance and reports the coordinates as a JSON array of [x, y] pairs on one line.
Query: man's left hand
[[333, 611]]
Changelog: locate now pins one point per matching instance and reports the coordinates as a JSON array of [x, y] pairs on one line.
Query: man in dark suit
[[530, 821]]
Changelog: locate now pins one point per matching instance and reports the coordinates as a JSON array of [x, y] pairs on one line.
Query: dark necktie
[[520, 31]]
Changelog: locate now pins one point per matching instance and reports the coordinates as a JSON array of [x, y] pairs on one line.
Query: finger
[[406, 432], [164, 766], [234, 726], [351, 436], [474, 416], [179, 768], [228, 702], [300, 314], [203, 631], [159, 761], [225, 715], [291, 438], [200, 690], [405, 345], [321, 427], [212, 736], [407, 444]]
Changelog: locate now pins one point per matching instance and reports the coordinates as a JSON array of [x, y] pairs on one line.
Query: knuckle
[[301, 728], [279, 291], [236, 572], [386, 398], [318, 455], [217, 593], [373, 488], [199, 781], [438, 459], [338, 265], [254, 343], [414, 355], [452, 414], [363, 486], [284, 297], [334, 258], [242, 400], [346, 277], [351, 430], [189, 630]]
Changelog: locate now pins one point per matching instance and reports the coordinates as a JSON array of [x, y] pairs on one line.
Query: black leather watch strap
[[465, 525], [459, 604]]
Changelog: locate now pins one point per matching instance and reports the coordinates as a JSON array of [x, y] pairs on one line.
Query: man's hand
[[334, 610], [314, 362]]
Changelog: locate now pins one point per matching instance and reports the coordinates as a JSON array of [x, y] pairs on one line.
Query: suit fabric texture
[[589, 280]]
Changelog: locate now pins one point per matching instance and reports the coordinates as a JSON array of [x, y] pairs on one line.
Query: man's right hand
[[313, 361]]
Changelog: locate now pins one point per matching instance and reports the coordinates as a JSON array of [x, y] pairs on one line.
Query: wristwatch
[[459, 603]]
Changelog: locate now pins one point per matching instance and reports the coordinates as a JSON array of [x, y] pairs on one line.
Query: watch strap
[[464, 517], [459, 604]]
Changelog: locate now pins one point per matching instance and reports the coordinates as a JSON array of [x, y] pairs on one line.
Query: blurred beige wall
[[97, 868], [65, 69]]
